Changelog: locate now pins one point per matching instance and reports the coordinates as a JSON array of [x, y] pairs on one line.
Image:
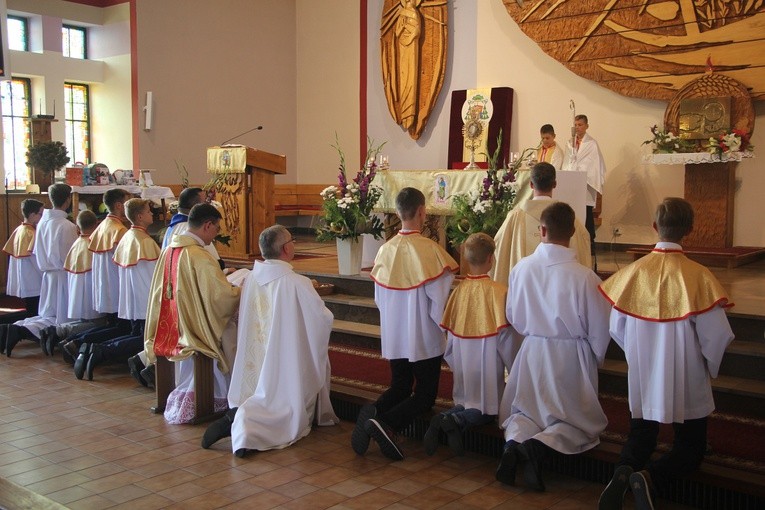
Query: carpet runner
[[734, 440]]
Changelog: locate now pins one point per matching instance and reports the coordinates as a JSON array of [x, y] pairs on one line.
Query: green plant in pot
[[46, 158]]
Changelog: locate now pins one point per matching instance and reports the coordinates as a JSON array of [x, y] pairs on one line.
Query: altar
[[157, 194]]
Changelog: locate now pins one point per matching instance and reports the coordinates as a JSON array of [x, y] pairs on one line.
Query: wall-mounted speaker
[[148, 111]]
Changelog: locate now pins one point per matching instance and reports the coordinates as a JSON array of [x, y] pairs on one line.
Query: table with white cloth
[[439, 187], [157, 194]]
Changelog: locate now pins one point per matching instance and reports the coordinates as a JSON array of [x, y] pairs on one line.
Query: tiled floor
[[96, 445]]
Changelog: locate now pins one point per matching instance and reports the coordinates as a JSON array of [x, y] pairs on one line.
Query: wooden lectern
[[244, 186]]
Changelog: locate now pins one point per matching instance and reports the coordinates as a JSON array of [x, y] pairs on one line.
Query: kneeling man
[[281, 375], [551, 396]]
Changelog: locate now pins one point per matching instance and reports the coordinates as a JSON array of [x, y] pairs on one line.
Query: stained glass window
[[17, 131], [77, 122]]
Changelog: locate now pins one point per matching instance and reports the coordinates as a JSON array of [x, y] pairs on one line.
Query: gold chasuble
[[141, 247], [482, 310], [189, 295], [107, 235], [409, 261], [22, 241], [664, 286], [79, 259]]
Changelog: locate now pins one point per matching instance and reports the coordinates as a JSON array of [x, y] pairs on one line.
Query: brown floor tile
[[351, 488], [329, 477], [405, 486], [295, 489], [111, 482], [37, 475], [94, 502], [372, 500], [125, 493], [66, 496], [432, 497], [239, 490], [317, 500], [148, 502], [57, 483], [276, 478], [167, 480]]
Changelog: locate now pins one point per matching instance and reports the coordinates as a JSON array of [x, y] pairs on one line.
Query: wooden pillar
[[710, 188]]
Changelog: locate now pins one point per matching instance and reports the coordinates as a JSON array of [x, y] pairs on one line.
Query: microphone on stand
[[258, 128]]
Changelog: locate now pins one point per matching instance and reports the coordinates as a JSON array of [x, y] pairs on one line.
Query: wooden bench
[[298, 199], [204, 387]]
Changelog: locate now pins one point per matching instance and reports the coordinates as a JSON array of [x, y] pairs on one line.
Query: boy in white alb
[[669, 318], [551, 396], [413, 276], [54, 236], [24, 277], [479, 347], [103, 242], [79, 266], [136, 255]]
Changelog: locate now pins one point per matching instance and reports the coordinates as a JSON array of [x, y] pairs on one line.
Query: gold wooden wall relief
[[650, 48], [413, 45]]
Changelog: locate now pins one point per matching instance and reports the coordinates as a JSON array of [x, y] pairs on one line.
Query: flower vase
[[349, 256]]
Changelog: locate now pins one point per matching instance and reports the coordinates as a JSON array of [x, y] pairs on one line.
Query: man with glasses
[[190, 305], [281, 374]]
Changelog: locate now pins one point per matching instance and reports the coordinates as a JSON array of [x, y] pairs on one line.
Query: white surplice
[[478, 366], [106, 278], [281, 376], [135, 273], [80, 282], [552, 390], [588, 158], [54, 236], [671, 363], [410, 319], [24, 277]]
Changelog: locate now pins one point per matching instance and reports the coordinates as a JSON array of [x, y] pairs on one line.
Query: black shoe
[[612, 496], [3, 333], [359, 436], [508, 464], [82, 360], [640, 483], [241, 452], [218, 429], [53, 339], [96, 358], [529, 452], [384, 439], [44, 341], [148, 375], [430, 440], [69, 351], [453, 435], [12, 337], [136, 365]]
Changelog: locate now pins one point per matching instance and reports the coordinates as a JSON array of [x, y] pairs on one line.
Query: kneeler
[[166, 344]]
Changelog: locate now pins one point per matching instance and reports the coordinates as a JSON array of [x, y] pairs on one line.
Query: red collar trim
[[410, 232], [136, 227], [662, 250], [477, 277]]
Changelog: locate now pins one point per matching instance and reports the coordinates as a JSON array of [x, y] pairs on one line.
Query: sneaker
[[384, 439], [430, 440], [612, 496], [359, 436], [640, 483], [507, 465], [453, 435]]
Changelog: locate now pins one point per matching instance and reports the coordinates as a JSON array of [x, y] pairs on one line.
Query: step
[[348, 307]]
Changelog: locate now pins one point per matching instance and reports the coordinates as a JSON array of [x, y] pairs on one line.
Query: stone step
[[353, 308]]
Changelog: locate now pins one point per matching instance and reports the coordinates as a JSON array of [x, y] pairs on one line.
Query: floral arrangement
[[735, 141], [666, 142], [347, 207], [484, 209]]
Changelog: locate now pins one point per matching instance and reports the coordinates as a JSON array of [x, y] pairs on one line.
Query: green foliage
[[47, 156]]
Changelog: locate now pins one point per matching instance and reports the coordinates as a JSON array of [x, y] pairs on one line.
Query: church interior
[[304, 84]]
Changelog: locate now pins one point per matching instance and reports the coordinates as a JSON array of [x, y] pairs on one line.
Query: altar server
[[479, 348], [518, 236], [79, 265], [188, 198], [103, 242], [24, 276], [669, 318], [586, 157], [190, 305], [283, 330], [136, 255], [54, 236], [551, 397], [413, 276], [549, 151]]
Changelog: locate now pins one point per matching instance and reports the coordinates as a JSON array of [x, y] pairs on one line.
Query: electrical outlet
[[616, 232]]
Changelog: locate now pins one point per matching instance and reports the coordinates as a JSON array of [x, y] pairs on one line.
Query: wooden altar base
[[714, 257]]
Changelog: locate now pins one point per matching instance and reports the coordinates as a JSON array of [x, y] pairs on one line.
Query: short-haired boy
[[413, 276], [551, 396], [103, 242], [669, 318], [550, 151], [479, 347], [24, 276]]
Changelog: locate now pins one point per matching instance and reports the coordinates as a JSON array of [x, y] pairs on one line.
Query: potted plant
[[347, 210], [45, 158]]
